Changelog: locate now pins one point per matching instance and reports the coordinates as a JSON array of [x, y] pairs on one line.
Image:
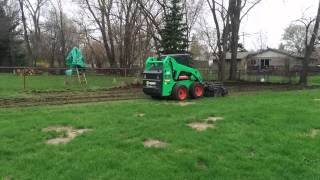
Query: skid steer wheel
[[180, 92], [156, 97], [196, 90]]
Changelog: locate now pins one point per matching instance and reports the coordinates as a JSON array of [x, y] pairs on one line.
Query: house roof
[[246, 55], [240, 55], [284, 52]]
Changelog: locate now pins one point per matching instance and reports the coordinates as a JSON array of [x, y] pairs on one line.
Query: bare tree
[[62, 29], [154, 11], [93, 48], [50, 37], [33, 36], [129, 14], [261, 41], [238, 9], [193, 11], [59, 34], [207, 35], [221, 18], [60, 23], [10, 43], [309, 44], [293, 38], [100, 11], [25, 30]]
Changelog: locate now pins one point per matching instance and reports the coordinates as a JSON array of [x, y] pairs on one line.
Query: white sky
[[268, 19], [271, 17]]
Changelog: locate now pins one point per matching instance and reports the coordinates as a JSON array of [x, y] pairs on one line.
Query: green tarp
[[75, 59]]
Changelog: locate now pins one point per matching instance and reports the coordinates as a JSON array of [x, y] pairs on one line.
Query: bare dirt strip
[[127, 93], [47, 98]]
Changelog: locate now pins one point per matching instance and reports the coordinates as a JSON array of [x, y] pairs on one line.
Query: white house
[[277, 60]]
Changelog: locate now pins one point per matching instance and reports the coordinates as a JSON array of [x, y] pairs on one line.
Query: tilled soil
[[126, 93], [73, 98]]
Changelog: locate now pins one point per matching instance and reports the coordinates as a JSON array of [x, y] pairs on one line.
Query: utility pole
[[243, 39], [243, 34]]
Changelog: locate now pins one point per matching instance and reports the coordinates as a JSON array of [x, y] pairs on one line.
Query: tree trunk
[[304, 71], [105, 28], [112, 56], [222, 38], [25, 31], [221, 67], [63, 39], [234, 14], [309, 49]]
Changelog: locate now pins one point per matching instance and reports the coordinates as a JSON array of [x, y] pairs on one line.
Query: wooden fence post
[[24, 78]]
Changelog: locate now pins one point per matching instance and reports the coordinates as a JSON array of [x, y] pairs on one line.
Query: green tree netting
[[76, 59]]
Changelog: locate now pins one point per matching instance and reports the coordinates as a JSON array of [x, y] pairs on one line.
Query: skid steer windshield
[[183, 59], [156, 67]]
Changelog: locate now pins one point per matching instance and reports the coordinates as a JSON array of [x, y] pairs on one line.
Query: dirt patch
[[202, 164], [7, 178], [185, 104], [251, 155], [73, 97], [154, 143], [180, 151], [214, 119], [139, 114], [313, 133], [65, 134], [200, 126]]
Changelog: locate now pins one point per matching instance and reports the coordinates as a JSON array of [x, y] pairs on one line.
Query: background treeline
[[123, 33], [111, 33]]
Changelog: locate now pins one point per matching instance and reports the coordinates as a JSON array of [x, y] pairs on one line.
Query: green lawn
[[12, 85], [262, 136], [313, 79]]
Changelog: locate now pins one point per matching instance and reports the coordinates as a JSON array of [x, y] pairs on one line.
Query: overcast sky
[[271, 17]]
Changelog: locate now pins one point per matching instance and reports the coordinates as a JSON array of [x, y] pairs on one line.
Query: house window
[[253, 62], [264, 63]]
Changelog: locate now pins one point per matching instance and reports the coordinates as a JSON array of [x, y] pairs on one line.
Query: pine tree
[[174, 33], [11, 53]]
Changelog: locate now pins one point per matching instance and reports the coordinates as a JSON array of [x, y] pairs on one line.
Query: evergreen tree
[[174, 33], [11, 53]]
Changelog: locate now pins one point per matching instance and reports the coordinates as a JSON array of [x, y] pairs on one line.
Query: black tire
[[176, 92], [156, 97], [218, 92], [224, 92], [193, 92]]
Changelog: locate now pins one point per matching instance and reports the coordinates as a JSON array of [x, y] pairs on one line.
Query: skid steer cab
[[174, 76]]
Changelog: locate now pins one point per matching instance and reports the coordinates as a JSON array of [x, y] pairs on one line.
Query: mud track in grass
[[115, 94], [130, 93]]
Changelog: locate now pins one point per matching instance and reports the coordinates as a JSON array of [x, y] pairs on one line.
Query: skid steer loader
[[174, 76]]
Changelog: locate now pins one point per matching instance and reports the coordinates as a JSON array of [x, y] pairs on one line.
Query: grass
[[12, 85], [312, 79], [262, 136]]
